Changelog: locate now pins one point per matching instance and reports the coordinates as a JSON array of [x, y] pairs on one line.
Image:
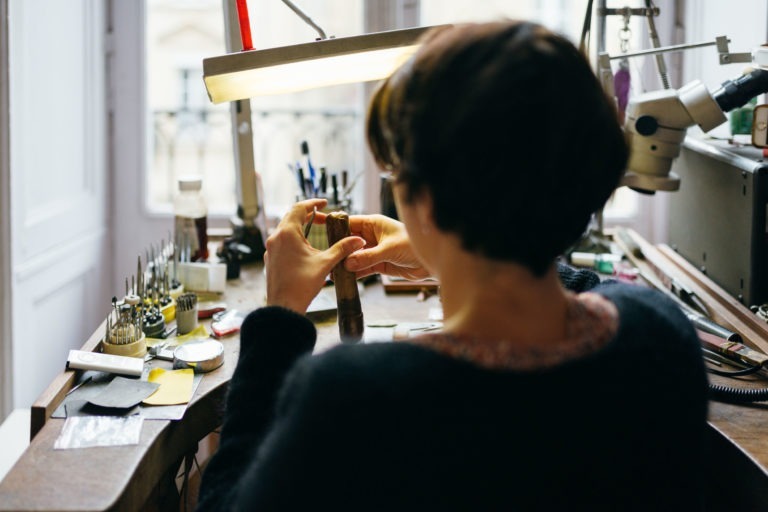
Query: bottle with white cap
[[603, 263], [191, 225]]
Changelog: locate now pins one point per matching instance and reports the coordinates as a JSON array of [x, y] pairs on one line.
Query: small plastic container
[[603, 263], [191, 223]]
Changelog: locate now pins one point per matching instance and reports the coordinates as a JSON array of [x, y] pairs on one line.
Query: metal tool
[[124, 334], [689, 302], [309, 223]]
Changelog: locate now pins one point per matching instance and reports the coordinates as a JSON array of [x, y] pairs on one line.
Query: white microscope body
[[656, 122], [655, 125]]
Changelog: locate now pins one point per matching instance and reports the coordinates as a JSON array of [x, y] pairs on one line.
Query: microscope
[[718, 217], [656, 125]]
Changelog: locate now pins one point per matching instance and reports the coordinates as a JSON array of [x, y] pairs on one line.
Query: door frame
[[6, 389]]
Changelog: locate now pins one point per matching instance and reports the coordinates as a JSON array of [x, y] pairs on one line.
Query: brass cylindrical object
[[347, 296]]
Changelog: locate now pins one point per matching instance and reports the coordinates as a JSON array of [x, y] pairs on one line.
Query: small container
[[202, 356], [169, 311], [741, 118], [603, 263], [136, 348], [154, 322], [191, 223], [186, 313]]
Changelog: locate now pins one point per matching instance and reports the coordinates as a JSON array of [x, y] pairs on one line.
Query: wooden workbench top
[[127, 477]]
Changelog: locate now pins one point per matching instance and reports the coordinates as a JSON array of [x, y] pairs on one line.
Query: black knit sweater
[[396, 426]]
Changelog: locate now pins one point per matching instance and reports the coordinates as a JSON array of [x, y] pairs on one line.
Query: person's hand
[[296, 271], [388, 249]]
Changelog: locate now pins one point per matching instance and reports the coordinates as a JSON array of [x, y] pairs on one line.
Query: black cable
[[737, 373], [737, 395]]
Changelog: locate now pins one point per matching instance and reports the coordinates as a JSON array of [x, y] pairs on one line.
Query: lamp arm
[[304, 16]]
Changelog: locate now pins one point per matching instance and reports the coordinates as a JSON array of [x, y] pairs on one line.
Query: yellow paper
[[151, 342], [198, 333], [175, 387]]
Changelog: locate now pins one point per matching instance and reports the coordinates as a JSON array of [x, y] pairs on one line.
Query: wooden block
[[347, 297]]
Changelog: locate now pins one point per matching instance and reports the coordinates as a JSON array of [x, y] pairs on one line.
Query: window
[[190, 135]]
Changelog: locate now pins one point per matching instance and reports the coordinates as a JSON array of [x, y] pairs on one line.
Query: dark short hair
[[507, 127]]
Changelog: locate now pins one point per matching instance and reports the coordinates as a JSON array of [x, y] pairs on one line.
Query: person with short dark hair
[[500, 145]]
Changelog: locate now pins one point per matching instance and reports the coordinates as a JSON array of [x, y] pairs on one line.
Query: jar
[[191, 220]]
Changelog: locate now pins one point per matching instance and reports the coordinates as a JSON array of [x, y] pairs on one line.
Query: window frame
[[6, 373]]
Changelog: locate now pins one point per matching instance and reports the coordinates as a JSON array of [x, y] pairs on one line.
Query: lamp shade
[[363, 58]]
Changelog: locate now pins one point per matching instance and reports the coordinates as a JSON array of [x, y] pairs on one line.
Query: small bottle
[[191, 224], [603, 263], [741, 118]]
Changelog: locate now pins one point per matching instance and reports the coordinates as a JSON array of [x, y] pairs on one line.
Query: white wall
[[129, 128], [744, 22]]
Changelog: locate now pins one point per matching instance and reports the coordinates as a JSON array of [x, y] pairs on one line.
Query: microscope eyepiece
[[735, 93]]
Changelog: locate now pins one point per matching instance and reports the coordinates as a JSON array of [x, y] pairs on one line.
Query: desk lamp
[[325, 61], [240, 75]]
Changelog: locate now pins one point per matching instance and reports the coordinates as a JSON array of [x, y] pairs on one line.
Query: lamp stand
[[249, 226]]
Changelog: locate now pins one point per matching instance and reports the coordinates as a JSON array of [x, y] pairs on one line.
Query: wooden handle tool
[[347, 297]]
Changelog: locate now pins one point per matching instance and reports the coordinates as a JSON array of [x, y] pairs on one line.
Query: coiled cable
[[737, 395], [732, 394]]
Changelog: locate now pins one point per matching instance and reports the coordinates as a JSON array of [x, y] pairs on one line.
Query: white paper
[[88, 431]]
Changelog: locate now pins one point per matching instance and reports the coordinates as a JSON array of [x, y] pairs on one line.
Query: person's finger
[[373, 232], [379, 268], [299, 213], [344, 247], [365, 273], [356, 222], [364, 259], [340, 250], [320, 217], [362, 224]]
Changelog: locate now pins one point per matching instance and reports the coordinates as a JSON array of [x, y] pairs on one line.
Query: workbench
[[141, 477]]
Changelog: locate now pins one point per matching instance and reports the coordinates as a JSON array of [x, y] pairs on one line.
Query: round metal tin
[[202, 356]]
